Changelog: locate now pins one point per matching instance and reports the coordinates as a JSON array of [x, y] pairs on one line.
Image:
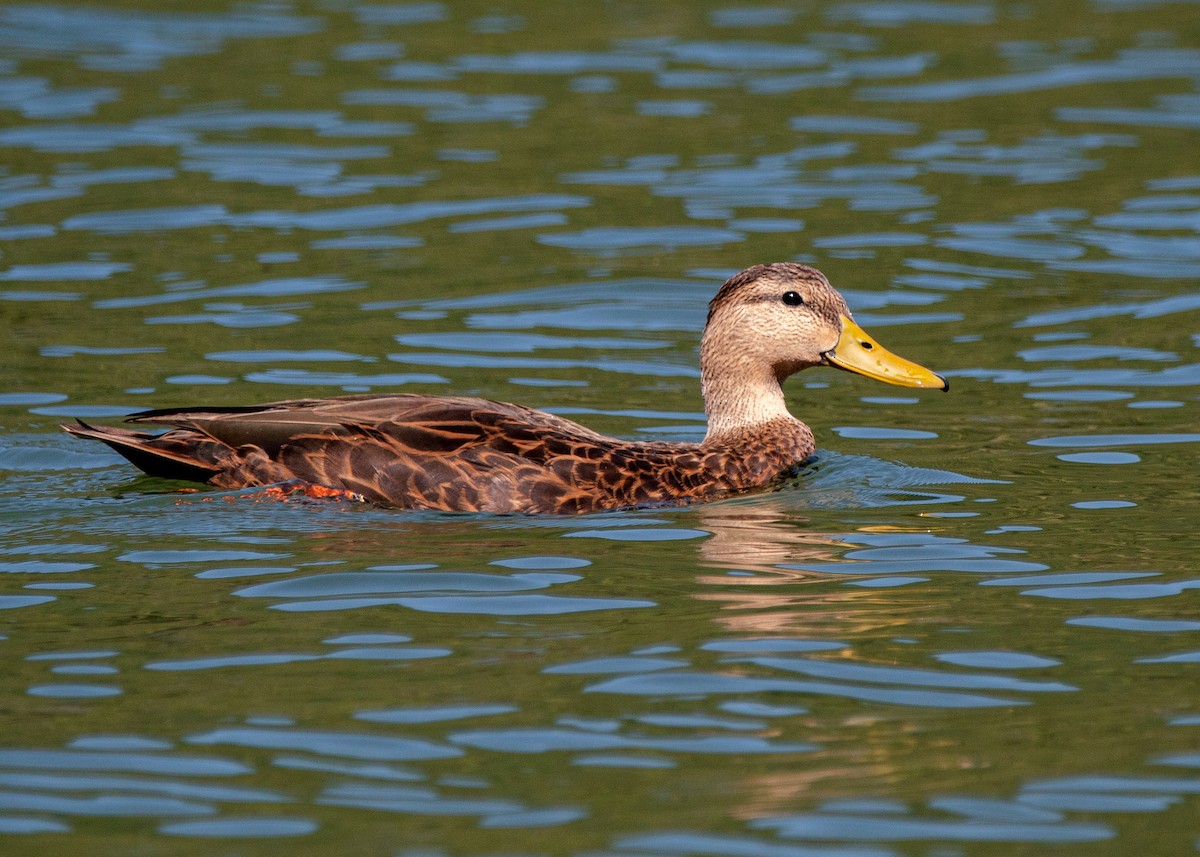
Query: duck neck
[[739, 396]]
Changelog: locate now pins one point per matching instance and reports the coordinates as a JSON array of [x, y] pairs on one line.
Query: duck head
[[788, 316], [769, 322]]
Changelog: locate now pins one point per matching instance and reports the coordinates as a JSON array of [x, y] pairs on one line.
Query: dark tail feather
[[151, 453]]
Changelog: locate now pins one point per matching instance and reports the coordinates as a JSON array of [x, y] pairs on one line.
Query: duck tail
[[185, 455]]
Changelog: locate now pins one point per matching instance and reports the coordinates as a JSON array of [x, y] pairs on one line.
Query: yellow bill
[[857, 352]]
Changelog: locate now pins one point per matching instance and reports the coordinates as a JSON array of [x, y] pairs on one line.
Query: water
[[969, 629]]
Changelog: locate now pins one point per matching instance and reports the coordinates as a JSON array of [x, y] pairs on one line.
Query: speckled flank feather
[[454, 454], [466, 454]]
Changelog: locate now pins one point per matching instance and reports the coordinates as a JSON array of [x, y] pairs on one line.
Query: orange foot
[[289, 491]]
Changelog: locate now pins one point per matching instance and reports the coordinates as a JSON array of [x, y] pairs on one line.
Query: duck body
[[450, 453], [466, 454]]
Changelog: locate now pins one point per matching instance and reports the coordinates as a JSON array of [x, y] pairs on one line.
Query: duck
[[466, 454]]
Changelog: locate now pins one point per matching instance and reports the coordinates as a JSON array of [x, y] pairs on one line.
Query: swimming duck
[[466, 454]]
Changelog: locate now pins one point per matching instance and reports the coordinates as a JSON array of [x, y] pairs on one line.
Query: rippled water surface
[[971, 628]]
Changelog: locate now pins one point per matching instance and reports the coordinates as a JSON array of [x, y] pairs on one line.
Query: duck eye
[[792, 299]]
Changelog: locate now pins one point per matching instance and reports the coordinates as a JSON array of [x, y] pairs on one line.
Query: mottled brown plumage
[[465, 454]]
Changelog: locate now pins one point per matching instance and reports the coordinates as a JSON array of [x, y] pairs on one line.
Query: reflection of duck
[[768, 589], [461, 454], [754, 537]]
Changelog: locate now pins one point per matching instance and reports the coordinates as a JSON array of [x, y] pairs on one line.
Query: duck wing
[[409, 450], [432, 423], [458, 454]]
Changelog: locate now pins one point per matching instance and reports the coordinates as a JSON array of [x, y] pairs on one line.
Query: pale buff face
[[755, 319]]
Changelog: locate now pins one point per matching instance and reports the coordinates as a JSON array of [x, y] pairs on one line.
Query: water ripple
[[544, 740], [433, 715], [861, 827], [418, 801], [697, 683], [282, 287], [233, 827], [134, 785], [58, 271], [896, 14], [78, 760], [450, 106], [901, 675], [136, 41], [1129, 66], [607, 239], [351, 745]]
